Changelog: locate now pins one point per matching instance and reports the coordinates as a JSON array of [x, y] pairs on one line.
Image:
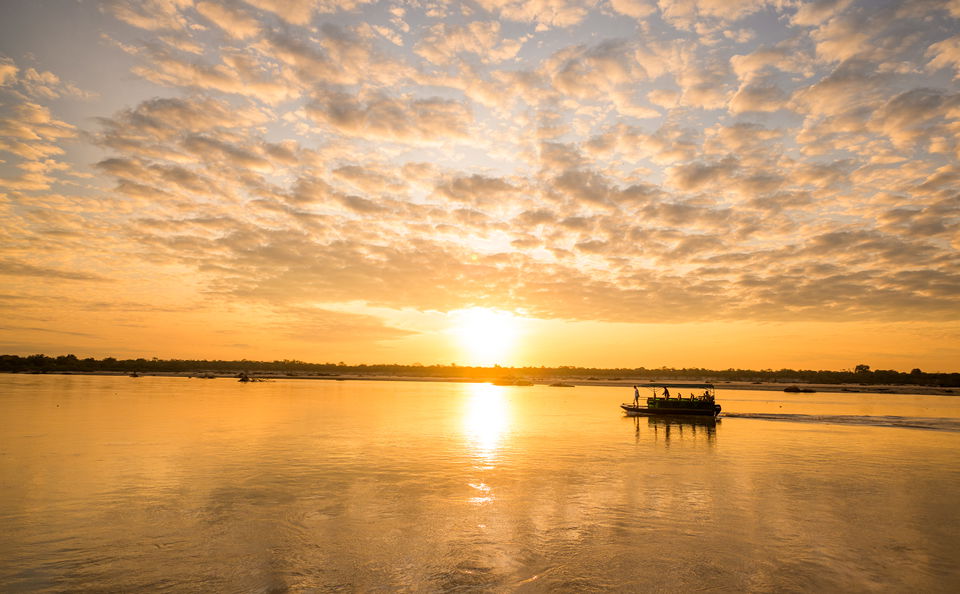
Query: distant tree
[[862, 368], [915, 371], [40, 362]]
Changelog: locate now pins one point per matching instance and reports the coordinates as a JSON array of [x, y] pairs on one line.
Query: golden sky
[[718, 183]]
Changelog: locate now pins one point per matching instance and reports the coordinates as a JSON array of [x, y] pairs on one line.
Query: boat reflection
[[684, 428], [486, 418]]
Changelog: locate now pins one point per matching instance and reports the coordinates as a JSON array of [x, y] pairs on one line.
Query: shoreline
[[547, 381]]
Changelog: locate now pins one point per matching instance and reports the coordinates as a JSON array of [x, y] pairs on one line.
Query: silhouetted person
[[636, 396]]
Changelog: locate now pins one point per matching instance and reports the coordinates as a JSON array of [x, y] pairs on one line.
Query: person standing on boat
[[666, 393], [636, 396]]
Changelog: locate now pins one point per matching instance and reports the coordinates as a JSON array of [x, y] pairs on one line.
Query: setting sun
[[486, 336]]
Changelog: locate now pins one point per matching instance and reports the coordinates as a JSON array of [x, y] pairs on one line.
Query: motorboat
[[669, 400]]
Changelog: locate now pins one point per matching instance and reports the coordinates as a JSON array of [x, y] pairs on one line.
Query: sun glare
[[486, 336]]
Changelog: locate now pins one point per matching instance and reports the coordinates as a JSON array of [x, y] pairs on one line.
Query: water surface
[[122, 484]]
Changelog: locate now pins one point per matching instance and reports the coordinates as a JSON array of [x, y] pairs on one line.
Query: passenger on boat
[[636, 396], [666, 393]]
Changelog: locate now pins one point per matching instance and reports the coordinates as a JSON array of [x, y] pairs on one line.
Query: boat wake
[[936, 424]]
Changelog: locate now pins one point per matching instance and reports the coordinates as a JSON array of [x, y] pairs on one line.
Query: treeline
[[861, 374]]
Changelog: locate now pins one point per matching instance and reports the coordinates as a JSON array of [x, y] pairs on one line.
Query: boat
[[663, 403], [246, 378]]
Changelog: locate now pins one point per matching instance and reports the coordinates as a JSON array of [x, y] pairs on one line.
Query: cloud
[[758, 97], [816, 12], [36, 175], [213, 149], [841, 39], [296, 12], [747, 140], [51, 330], [195, 147], [11, 267], [299, 12], [690, 14], [666, 98], [236, 73], [29, 131], [378, 116], [583, 186], [589, 72], [152, 15], [31, 121], [475, 189], [361, 204], [546, 13], [369, 180], [389, 34], [680, 172], [694, 176], [783, 57], [915, 115], [851, 84], [310, 324], [945, 54], [638, 9], [234, 20], [338, 58], [8, 71], [163, 118], [444, 42], [705, 83], [37, 84]]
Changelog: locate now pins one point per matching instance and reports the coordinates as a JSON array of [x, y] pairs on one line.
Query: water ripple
[[937, 424]]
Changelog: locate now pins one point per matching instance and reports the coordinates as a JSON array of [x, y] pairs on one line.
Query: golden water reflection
[[486, 419], [121, 485], [692, 430]]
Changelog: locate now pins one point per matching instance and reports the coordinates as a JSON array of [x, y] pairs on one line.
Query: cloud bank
[[622, 160]]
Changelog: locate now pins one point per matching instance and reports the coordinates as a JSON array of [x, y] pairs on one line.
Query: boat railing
[[679, 402], [663, 392]]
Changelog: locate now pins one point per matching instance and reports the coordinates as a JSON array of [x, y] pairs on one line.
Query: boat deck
[[636, 411]]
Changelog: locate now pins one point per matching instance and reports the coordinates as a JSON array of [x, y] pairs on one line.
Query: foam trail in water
[[938, 424]]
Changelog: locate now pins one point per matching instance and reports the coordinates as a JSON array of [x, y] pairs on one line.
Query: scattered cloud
[[10, 267], [444, 42], [232, 19], [379, 116], [735, 160]]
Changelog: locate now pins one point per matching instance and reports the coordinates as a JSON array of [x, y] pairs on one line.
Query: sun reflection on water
[[486, 418]]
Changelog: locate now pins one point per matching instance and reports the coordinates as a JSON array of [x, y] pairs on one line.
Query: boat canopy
[[704, 386]]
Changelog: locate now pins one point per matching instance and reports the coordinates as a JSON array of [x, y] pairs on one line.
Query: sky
[[614, 183]]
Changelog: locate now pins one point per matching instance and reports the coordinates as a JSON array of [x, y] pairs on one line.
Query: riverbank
[[557, 381]]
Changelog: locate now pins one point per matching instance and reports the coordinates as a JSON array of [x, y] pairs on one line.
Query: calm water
[[122, 484]]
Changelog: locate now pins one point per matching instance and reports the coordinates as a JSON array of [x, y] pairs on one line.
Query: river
[[159, 483]]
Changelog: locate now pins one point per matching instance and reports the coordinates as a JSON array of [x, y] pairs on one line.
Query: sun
[[486, 336]]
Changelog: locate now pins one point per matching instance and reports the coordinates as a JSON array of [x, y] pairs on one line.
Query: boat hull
[[646, 411]]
